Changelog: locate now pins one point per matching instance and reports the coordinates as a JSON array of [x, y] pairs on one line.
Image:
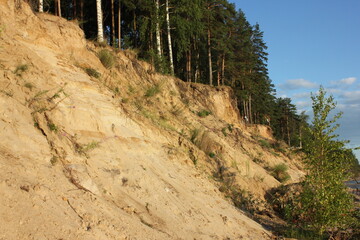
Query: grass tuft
[[20, 69], [92, 72], [203, 113], [106, 58], [279, 172], [152, 91], [29, 85]]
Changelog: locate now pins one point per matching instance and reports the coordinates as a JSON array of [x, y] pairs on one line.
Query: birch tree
[[169, 38], [99, 21], [325, 201], [158, 37], [41, 6]]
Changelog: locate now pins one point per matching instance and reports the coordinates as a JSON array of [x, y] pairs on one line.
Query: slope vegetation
[[89, 152]]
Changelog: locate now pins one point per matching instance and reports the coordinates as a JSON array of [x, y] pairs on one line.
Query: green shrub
[[92, 72], [264, 143], [106, 58], [125, 100], [90, 146], [29, 85], [194, 133], [279, 172], [53, 127], [53, 160], [203, 113], [152, 91], [20, 69], [223, 130], [212, 155]]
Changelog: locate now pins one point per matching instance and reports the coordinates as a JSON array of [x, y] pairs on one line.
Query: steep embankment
[[128, 155]]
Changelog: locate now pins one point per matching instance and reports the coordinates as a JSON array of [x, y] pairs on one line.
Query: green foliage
[[279, 171], [264, 143], [228, 128], [194, 134], [29, 85], [20, 69], [203, 113], [90, 146], [106, 58], [325, 201], [92, 72], [212, 155], [53, 160], [153, 90], [53, 127], [223, 130], [192, 156]]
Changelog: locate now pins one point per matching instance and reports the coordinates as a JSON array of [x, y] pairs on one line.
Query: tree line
[[203, 41]]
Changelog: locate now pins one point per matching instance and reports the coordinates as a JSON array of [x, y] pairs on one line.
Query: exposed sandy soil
[[87, 158]]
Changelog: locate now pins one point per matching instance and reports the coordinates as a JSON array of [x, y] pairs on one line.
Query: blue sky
[[312, 43]]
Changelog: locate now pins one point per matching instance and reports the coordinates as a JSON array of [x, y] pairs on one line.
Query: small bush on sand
[[20, 69], [203, 113], [279, 172], [152, 91], [106, 58], [92, 72]]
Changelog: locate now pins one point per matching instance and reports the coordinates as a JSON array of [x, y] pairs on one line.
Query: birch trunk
[[209, 57], [112, 24], [158, 40], [169, 38], [41, 6], [99, 21]]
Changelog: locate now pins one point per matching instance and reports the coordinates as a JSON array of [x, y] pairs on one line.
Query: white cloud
[[347, 81], [333, 90], [303, 104], [293, 84], [351, 97], [302, 95]]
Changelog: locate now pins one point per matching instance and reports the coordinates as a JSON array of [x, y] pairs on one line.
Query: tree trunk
[[287, 129], [99, 21], [209, 57], [82, 14], [119, 25], [158, 39], [218, 72], [74, 9], [134, 28], [41, 6], [188, 66], [197, 62], [223, 70], [58, 8], [250, 110], [300, 137], [112, 24], [169, 38]]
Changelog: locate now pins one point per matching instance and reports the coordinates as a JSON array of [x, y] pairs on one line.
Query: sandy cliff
[[101, 158]]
